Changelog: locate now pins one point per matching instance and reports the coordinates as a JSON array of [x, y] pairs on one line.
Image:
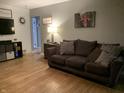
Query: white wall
[[22, 31], [109, 20]]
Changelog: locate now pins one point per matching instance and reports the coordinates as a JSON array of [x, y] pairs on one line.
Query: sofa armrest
[[115, 69], [51, 51]]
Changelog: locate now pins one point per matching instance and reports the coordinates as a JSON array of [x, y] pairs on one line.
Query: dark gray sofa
[[82, 64]]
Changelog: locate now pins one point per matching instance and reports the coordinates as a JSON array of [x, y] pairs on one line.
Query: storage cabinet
[[18, 49], [10, 55], [10, 50], [2, 53], [2, 56]]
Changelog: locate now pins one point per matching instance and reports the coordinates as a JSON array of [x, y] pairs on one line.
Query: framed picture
[[85, 20], [47, 20], [5, 13]]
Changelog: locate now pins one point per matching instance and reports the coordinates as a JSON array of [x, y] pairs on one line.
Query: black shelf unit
[[10, 50], [18, 49], [2, 53]]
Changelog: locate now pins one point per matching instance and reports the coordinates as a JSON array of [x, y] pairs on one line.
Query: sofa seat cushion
[[96, 69], [76, 62], [59, 59]]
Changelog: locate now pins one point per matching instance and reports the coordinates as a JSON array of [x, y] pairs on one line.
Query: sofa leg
[[49, 65], [111, 85]]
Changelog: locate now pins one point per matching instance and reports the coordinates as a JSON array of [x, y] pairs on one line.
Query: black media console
[[10, 50]]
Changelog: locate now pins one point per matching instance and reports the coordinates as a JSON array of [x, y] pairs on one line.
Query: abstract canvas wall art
[[85, 20]]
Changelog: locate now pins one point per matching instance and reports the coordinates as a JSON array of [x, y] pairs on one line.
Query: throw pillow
[[112, 50], [109, 53], [84, 48], [104, 59], [67, 48]]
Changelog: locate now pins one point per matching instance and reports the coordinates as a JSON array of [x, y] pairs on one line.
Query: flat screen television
[[6, 26]]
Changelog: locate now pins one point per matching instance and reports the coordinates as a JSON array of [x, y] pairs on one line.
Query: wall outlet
[[15, 39], [24, 51]]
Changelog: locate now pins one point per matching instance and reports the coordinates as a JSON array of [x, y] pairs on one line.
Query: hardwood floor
[[31, 74]]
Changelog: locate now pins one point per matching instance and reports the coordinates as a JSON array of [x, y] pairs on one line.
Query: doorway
[[36, 34]]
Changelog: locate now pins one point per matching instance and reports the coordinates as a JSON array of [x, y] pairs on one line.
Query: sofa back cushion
[[84, 48], [67, 48], [94, 54]]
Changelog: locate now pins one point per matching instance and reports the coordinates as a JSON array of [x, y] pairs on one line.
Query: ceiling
[[31, 3]]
